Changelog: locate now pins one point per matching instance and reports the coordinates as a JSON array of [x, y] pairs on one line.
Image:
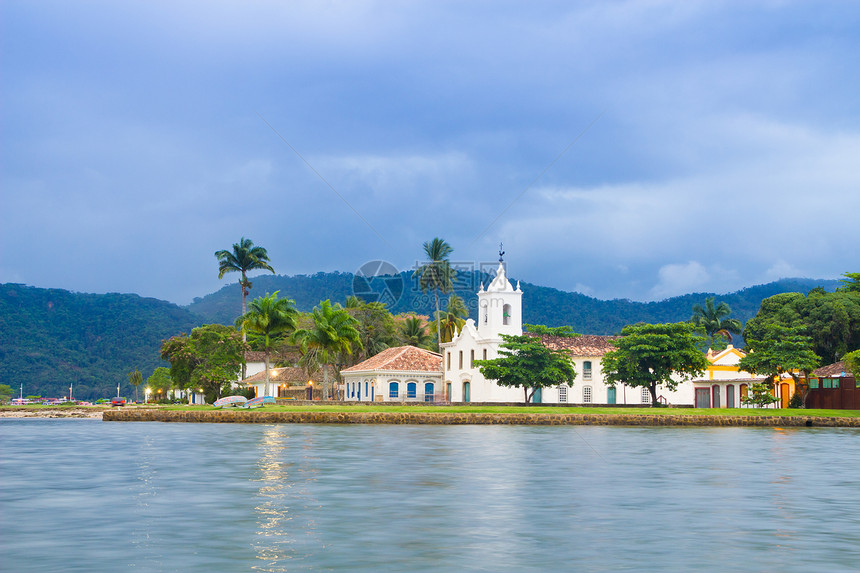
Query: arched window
[[745, 390], [428, 391], [730, 396], [506, 314], [715, 390], [366, 389], [393, 390], [411, 390]]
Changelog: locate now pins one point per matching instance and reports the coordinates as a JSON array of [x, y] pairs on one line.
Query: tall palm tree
[[436, 274], [244, 257], [453, 319], [412, 333], [712, 318], [333, 333], [269, 318]]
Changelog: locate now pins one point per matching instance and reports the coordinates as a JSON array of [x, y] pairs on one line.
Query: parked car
[[117, 401]]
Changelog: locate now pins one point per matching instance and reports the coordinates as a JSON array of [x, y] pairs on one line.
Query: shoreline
[[52, 413], [471, 418]]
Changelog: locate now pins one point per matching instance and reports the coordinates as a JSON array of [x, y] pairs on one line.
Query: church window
[[461, 360], [562, 393], [472, 359], [485, 354], [586, 394], [506, 314], [449, 360], [586, 370]]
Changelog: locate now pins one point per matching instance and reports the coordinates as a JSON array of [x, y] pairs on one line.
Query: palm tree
[[333, 333], [436, 274], [135, 378], [453, 319], [412, 333], [268, 318], [712, 318], [244, 257]]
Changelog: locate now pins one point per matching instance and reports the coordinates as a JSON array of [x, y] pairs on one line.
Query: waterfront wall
[[461, 418]]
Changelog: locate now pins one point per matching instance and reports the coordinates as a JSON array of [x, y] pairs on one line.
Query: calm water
[[84, 495]]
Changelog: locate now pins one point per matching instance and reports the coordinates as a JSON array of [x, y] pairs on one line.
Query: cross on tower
[[501, 253]]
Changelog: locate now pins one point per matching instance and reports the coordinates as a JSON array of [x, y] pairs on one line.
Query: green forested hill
[[50, 338], [541, 305]]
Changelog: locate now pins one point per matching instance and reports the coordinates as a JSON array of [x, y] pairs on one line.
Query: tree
[[851, 282], [852, 363], [525, 362], [5, 393], [436, 275], [268, 319], [760, 394], [452, 320], [713, 320], [135, 378], [333, 333], [376, 327], [244, 257], [159, 383], [782, 350], [209, 359], [649, 355], [412, 333]]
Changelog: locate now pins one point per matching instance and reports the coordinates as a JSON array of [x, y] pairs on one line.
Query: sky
[[633, 150]]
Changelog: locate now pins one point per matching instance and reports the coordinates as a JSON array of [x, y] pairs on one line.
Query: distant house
[[724, 384], [833, 387], [399, 374]]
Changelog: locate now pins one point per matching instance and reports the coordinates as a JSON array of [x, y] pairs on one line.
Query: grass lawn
[[547, 410]]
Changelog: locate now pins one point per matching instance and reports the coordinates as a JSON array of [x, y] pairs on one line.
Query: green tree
[[5, 393], [333, 334], [760, 394], [159, 384], [376, 327], [210, 359], [268, 321], [648, 355], [448, 323], [413, 333], [852, 363], [851, 282], [713, 319], [782, 350], [436, 275], [243, 258], [543, 330], [135, 378], [524, 362]]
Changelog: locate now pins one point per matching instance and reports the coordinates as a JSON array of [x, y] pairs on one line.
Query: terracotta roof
[[833, 370], [583, 345], [289, 375], [401, 358]]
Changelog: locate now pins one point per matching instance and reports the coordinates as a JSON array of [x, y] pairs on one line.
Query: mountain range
[[53, 338]]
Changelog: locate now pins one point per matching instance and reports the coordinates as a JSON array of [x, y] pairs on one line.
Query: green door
[[610, 395], [536, 397], [467, 394]]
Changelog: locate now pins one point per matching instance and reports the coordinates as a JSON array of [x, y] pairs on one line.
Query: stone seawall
[[460, 418]]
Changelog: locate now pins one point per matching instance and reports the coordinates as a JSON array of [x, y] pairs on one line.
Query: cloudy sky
[[620, 149]]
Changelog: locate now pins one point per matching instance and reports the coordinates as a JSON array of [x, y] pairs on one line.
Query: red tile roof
[[583, 345], [289, 375], [401, 358], [833, 370]]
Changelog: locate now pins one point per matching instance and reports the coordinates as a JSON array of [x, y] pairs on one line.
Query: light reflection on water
[[83, 495]]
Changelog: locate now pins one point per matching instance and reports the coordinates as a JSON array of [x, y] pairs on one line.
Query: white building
[[399, 374]]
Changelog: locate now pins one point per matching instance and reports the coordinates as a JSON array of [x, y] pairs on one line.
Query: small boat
[[258, 401], [230, 401]]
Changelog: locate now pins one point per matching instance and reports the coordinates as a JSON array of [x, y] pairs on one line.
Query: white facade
[[399, 374]]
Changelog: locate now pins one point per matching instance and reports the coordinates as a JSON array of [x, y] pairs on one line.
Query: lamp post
[[70, 391], [117, 389]]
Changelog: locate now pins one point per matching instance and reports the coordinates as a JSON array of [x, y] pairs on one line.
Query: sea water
[[86, 495]]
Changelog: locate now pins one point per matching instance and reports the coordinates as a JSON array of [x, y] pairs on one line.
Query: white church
[[407, 374]]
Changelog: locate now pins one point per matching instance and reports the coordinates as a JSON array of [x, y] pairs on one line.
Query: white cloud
[[676, 279]]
